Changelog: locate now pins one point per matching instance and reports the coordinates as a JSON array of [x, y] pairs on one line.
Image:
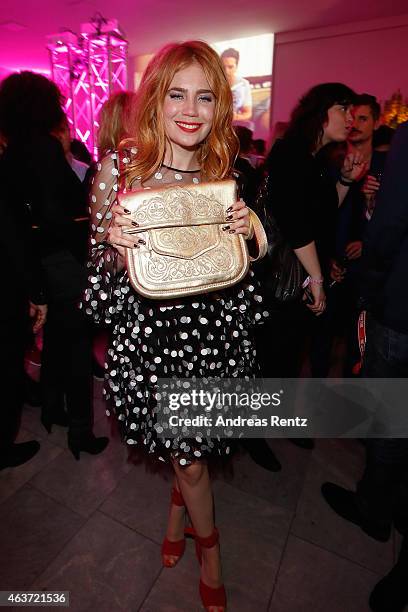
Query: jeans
[[386, 354]]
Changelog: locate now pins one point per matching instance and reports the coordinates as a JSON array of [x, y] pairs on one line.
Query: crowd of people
[[334, 185]]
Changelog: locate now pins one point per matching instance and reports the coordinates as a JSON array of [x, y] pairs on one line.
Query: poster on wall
[[248, 66]]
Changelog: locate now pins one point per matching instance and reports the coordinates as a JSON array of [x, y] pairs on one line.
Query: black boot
[[343, 502], [17, 454], [261, 453], [87, 443]]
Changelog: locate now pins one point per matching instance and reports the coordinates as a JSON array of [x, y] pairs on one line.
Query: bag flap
[[179, 206], [184, 242]]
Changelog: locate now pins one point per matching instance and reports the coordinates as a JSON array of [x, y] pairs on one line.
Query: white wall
[[370, 57]]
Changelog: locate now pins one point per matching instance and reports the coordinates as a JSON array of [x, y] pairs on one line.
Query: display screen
[[248, 66]]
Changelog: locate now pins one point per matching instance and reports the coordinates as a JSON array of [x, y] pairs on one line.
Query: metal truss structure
[[88, 68]]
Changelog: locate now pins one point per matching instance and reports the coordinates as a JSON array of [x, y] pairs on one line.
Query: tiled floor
[[94, 528]]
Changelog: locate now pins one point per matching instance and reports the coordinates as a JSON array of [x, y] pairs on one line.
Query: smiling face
[[337, 126], [188, 109]]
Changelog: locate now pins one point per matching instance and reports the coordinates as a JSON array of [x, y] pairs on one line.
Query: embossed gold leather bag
[[186, 250]]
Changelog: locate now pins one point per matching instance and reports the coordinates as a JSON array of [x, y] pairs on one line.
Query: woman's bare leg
[[175, 525], [195, 486]]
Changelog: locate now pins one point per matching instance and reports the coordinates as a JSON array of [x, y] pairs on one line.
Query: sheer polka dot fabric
[[209, 336]]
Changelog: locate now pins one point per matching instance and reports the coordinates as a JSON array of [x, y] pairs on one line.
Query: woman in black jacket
[[23, 297], [303, 198], [39, 178]]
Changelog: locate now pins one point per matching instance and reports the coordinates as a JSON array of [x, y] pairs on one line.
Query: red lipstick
[[188, 127]]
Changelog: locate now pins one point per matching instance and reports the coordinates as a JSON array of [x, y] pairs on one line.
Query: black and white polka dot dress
[[202, 336]]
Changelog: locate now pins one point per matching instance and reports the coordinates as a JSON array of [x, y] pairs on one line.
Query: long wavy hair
[[217, 153], [310, 114], [115, 121]]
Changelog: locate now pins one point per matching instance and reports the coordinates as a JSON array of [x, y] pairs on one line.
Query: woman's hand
[[317, 293], [237, 219], [116, 236], [354, 167]]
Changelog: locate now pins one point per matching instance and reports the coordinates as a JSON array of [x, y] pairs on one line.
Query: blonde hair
[[218, 151], [115, 121]]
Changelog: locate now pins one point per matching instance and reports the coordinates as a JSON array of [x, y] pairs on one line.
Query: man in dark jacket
[[381, 495]]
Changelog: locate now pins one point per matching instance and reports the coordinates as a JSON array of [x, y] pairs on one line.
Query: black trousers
[[282, 341], [13, 335], [341, 319], [66, 370]]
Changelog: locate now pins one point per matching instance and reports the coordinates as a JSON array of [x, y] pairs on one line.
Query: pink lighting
[[88, 69], [11, 69]]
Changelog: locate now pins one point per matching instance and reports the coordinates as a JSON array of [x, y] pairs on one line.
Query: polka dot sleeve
[[104, 189], [102, 300]]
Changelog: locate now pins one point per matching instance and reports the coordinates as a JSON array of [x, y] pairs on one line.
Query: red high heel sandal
[[174, 549], [210, 596]]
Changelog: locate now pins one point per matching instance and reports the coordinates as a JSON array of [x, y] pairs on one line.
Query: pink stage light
[[88, 69]]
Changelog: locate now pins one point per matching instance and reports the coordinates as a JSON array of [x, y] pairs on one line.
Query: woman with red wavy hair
[[183, 135]]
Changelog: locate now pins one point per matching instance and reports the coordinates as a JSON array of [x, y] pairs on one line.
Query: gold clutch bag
[[186, 250]]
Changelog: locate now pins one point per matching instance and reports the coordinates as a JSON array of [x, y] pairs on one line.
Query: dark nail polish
[[231, 232], [225, 228], [229, 209], [229, 218], [141, 241], [126, 211], [135, 224]]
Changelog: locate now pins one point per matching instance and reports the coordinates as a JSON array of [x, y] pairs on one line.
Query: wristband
[[345, 182], [312, 281]]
